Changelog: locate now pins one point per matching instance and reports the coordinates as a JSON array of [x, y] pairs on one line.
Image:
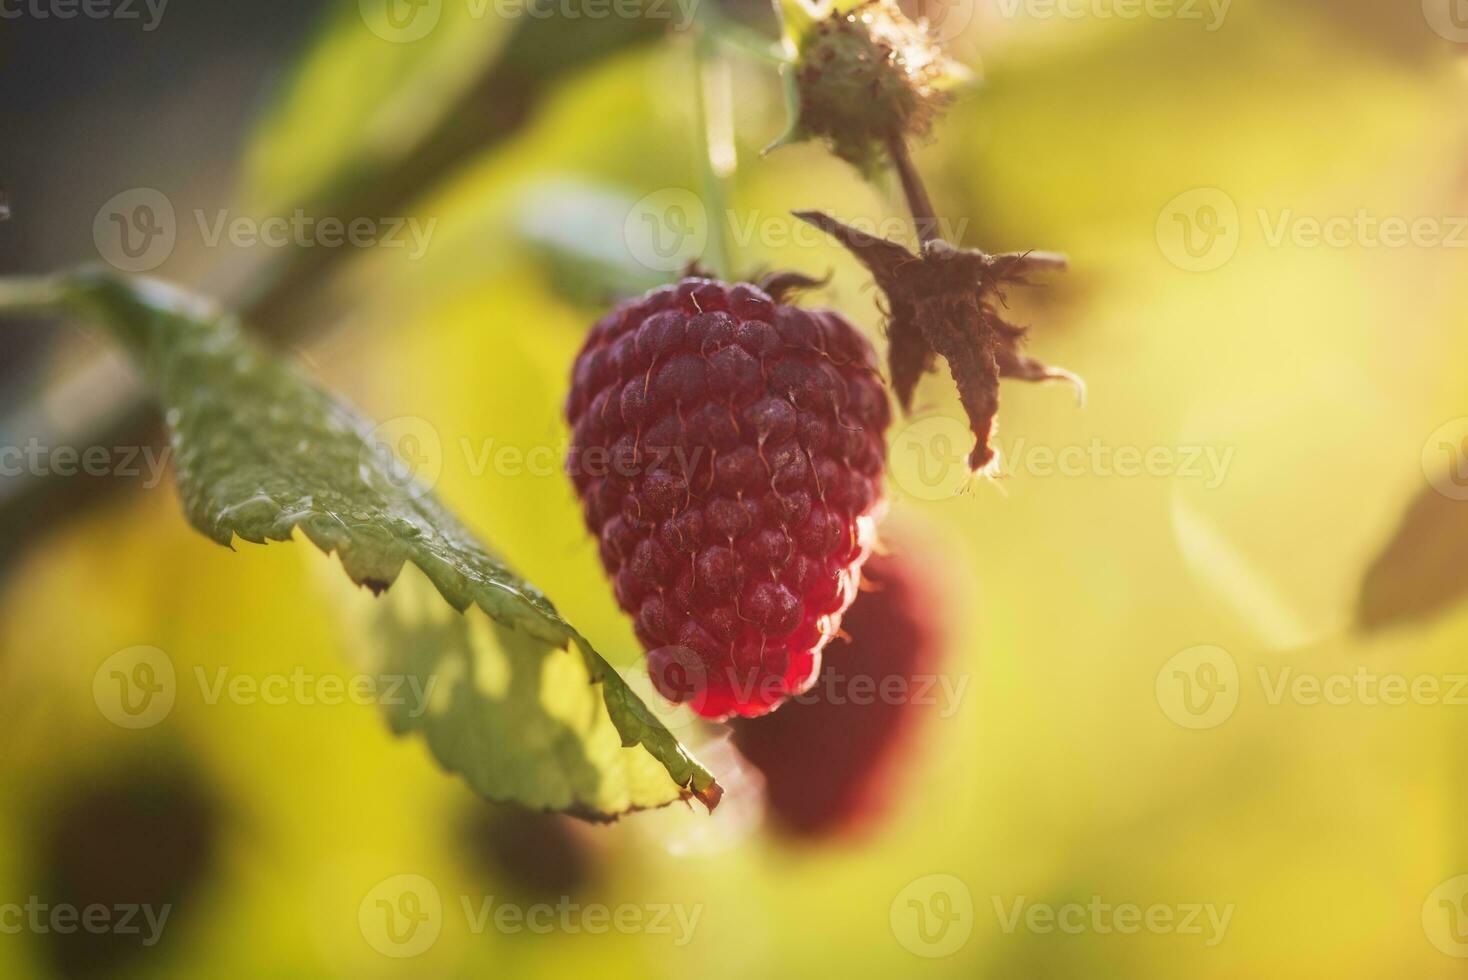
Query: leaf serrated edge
[[128, 305]]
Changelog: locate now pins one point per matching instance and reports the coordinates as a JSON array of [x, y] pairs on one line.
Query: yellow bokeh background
[[1314, 374]]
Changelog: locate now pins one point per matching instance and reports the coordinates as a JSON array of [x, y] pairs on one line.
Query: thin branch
[[918, 202], [31, 296]]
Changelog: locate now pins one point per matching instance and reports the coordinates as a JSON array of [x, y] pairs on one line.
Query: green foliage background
[[1058, 777]]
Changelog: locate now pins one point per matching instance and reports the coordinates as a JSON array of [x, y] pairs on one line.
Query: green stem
[[717, 155], [741, 37]]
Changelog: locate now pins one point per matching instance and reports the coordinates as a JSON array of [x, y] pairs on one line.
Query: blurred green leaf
[[260, 452], [797, 17], [1420, 572], [376, 117], [581, 233], [370, 88]]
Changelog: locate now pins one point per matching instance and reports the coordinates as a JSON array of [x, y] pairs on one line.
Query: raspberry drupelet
[[728, 451]]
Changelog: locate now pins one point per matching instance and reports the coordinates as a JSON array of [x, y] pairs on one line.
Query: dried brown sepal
[[780, 286], [946, 301]]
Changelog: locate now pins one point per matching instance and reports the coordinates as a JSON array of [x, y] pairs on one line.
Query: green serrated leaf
[[259, 452], [519, 719]]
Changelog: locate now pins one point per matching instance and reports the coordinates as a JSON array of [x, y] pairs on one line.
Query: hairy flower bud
[[865, 76]]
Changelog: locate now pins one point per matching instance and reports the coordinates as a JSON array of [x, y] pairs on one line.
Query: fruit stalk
[[924, 218], [717, 156]]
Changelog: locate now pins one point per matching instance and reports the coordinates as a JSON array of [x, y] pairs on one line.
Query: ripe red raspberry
[[728, 451], [830, 756]]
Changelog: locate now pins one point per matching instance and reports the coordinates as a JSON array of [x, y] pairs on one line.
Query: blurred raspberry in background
[[832, 757]]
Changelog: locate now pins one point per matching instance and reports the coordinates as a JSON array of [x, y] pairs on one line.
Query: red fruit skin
[[831, 757], [728, 452]]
